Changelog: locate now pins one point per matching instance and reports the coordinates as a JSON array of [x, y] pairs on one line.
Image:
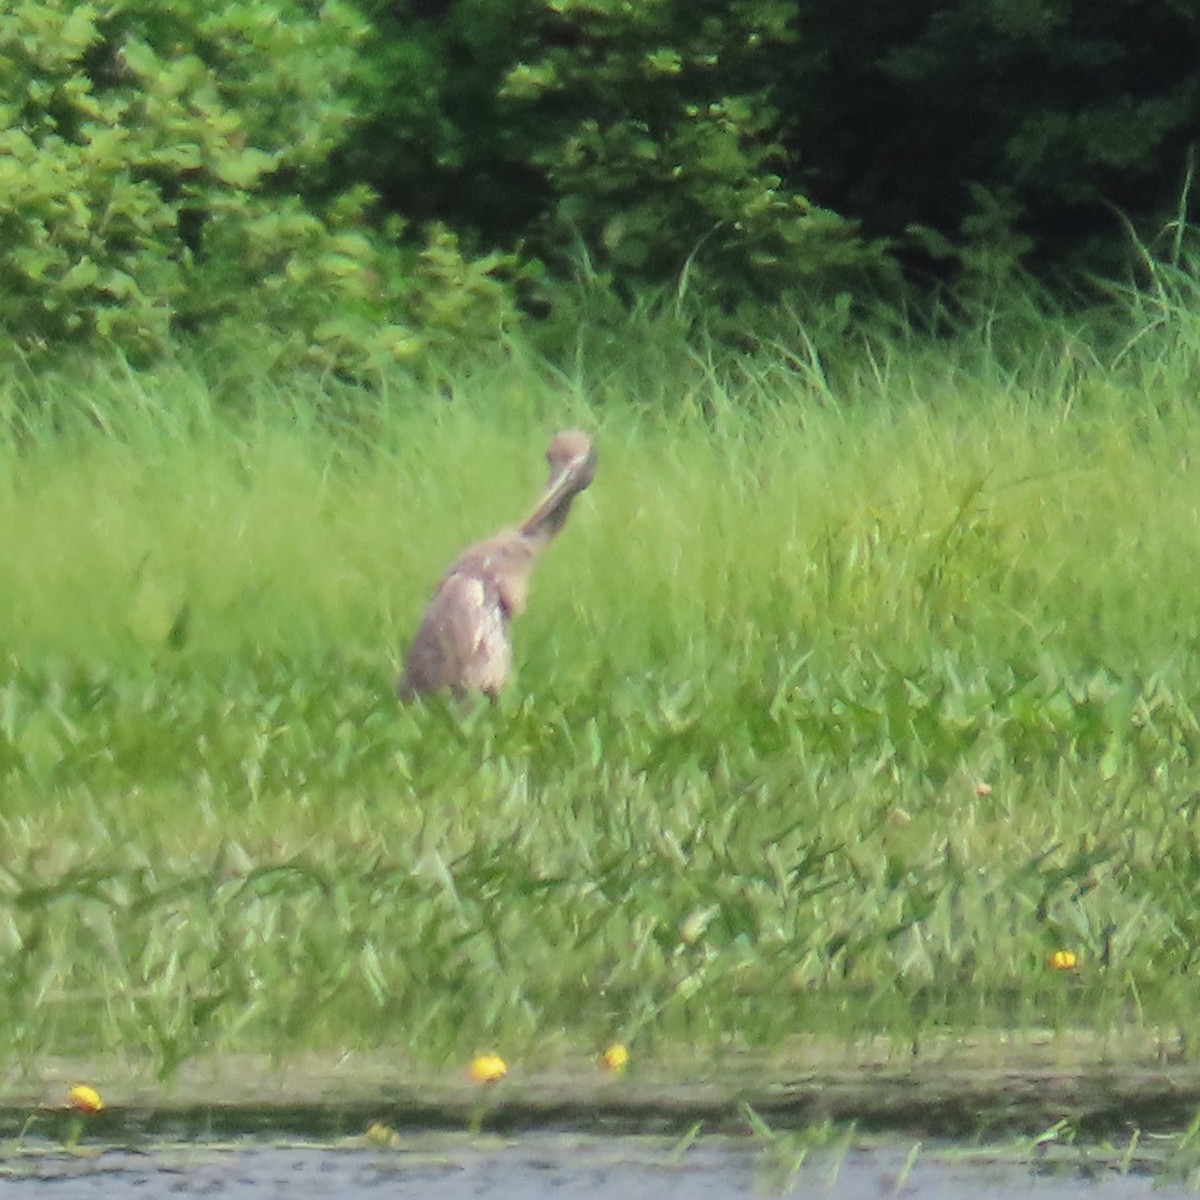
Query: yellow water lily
[[615, 1057], [85, 1099], [487, 1068]]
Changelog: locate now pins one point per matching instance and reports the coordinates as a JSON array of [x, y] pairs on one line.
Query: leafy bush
[[152, 164], [778, 144], [657, 133], [638, 138], [1059, 111]]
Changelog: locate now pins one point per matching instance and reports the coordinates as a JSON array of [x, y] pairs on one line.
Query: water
[[563, 1167]]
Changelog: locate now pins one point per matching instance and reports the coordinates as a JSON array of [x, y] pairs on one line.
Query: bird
[[462, 645]]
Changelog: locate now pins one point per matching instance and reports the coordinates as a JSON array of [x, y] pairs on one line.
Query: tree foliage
[[156, 170], [1058, 111], [784, 142], [364, 179], [641, 138]]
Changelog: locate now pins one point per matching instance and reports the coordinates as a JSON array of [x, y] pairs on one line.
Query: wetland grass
[[853, 696]]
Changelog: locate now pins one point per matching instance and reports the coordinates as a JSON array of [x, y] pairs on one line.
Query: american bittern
[[463, 643]]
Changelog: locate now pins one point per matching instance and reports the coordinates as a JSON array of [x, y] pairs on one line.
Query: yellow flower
[[85, 1099], [487, 1068], [1063, 960], [615, 1057]]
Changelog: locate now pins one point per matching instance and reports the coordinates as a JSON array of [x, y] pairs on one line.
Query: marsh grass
[[1059, 1151], [861, 682]]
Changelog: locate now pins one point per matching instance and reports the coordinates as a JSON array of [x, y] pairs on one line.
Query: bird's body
[[462, 644]]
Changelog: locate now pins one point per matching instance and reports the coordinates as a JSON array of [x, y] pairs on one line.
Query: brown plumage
[[463, 643]]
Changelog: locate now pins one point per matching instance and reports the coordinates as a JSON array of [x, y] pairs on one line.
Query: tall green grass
[[862, 679]]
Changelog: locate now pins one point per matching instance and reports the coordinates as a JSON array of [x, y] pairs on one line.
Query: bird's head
[[572, 459], [571, 455]]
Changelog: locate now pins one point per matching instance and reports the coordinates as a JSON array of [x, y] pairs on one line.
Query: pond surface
[[561, 1167]]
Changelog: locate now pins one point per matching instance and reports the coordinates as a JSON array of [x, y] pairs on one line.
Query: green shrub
[[780, 145], [152, 167], [638, 139], [914, 114]]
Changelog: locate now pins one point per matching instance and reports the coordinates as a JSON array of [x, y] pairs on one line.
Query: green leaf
[[81, 277], [245, 169]]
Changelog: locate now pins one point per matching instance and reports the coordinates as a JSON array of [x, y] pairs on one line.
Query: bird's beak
[[580, 469], [569, 479]]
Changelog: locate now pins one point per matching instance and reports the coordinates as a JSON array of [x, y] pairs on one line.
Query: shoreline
[[959, 1087]]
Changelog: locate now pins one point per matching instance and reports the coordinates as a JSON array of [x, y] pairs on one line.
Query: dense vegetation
[[841, 705], [864, 678], [783, 141], [314, 171]]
